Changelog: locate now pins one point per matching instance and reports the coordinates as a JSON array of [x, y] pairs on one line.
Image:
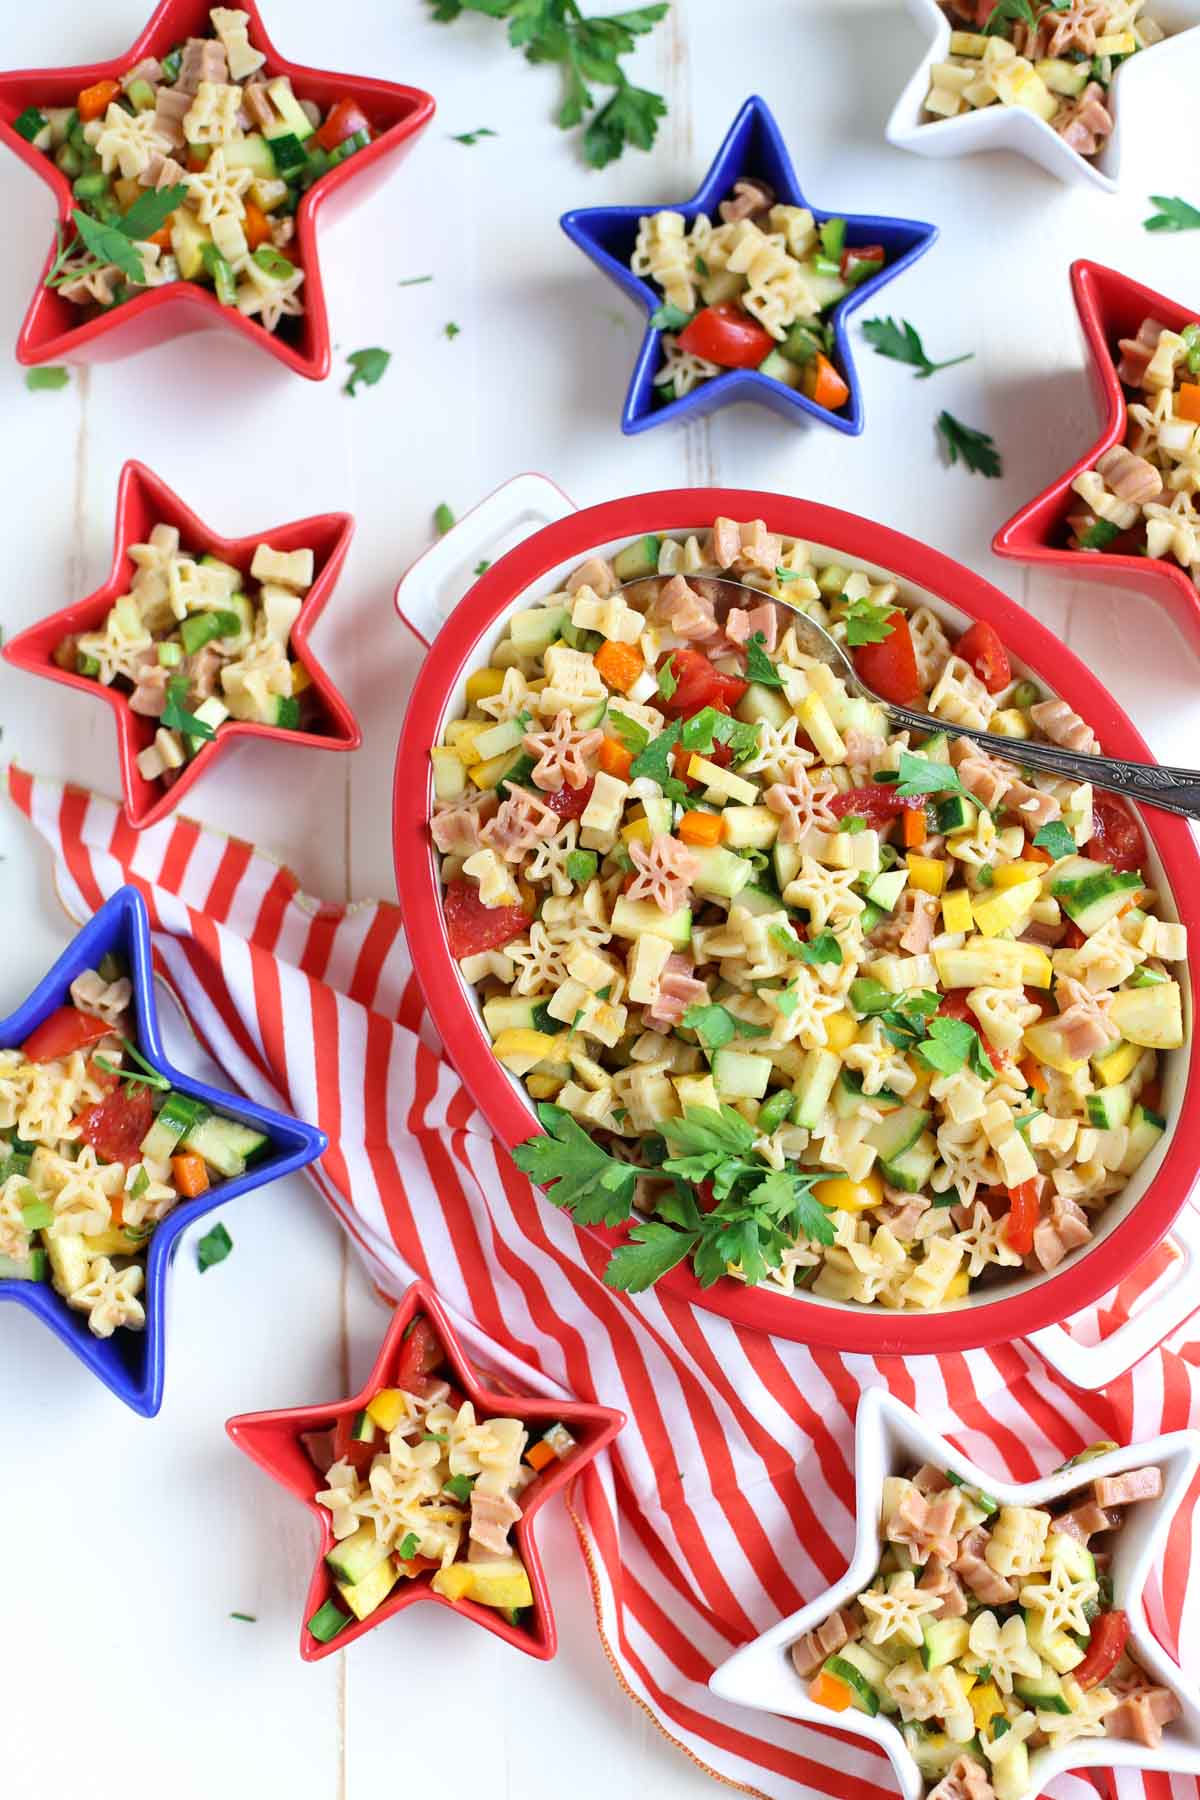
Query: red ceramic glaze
[[272, 1439], [51, 332], [1110, 306], [142, 502], [1084, 1278]]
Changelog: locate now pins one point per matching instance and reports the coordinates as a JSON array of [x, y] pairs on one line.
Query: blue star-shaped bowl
[[753, 147], [131, 1363]]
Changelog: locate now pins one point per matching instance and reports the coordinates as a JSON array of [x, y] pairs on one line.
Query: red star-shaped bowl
[[51, 332], [1110, 306], [273, 1440], [144, 501]]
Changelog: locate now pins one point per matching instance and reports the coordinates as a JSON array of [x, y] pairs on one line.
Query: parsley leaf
[[408, 1547], [1056, 839], [452, 330], [46, 380], [920, 775], [631, 116], [1008, 12], [1173, 214], [176, 717], [702, 1136], [669, 318], [651, 1251], [902, 343], [709, 727], [1099, 536], [867, 623], [950, 1044], [151, 210], [822, 949], [443, 519], [634, 736], [415, 281], [759, 666], [368, 366], [459, 1487], [654, 761], [480, 131], [667, 682], [117, 243], [977, 449], [904, 1023], [716, 1026], [213, 1247], [576, 1171], [786, 939], [481, 568]]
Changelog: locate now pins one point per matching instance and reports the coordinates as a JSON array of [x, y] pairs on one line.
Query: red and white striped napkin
[[729, 1498]]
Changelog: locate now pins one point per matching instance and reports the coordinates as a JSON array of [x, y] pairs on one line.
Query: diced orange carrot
[[620, 665], [189, 1174], [702, 828], [94, 101], [614, 758], [1034, 1075], [828, 1691], [1035, 853], [116, 1210], [162, 237], [1187, 402], [256, 225], [913, 826], [823, 384], [539, 1455]]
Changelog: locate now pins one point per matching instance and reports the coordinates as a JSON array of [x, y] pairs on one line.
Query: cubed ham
[[1065, 1230], [965, 1779], [1123, 1490], [596, 574], [760, 548], [492, 1517], [971, 1566], [1143, 1714], [149, 69], [1136, 353], [1083, 1020], [203, 59], [810, 1651], [748, 200], [986, 778], [171, 106], [688, 613], [1129, 477], [677, 990], [862, 747], [928, 1479], [726, 542], [257, 104], [1083, 1522], [938, 1578], [1030, 807]]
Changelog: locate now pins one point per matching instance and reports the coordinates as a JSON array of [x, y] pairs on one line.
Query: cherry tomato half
[[726, 335], [345, 118], [698, 684], [877, 803], [421, 1352], [62, 1032], [471, 926], [116, 1125], [891, 667], [569, 802], [982, 648], [1116, 835]]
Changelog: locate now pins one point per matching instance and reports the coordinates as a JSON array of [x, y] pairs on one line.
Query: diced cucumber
[[936, 747], [832, 580], [848, 1096], [1110, 1107], [826, 288], [1092, 900], [781, 368], [721, 874], [866, 1696], [508, 1013], [802, 343], [659, 814], [944, 1641], [750, 827], [1055, 1647], [813, 1086], [884, 890], [535, 629], [1074, 1556], [1042, 1691], [364, 1430], [638, 918], [35, 1267], [955, 813], [1010, 1776], [869, 996], [176, 1116], [740, 1075], [1145, 1129], [786, 858], [291, 113], [775, 1110], [263, 159], [759, 900], [897, 1132], [283, 711], [913, 1167], [1150, 1016], [224, 1143], [357, 1555], [364, 1596], [763, 706], [637, 560]]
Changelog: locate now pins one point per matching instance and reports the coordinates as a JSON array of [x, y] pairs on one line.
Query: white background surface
[[128, 1543]]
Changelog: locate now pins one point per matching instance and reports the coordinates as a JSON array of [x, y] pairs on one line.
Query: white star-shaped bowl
[[1146, 81], [890, 1439]]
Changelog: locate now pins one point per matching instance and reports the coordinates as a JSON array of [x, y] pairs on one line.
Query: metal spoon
[[1149, 784]]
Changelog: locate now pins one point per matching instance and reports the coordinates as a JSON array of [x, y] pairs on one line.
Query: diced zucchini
[[224, 1143], [1044, 1692], [813, 1086], [913, 1167], [291, 113], [1145, 1129], [722, 874], [536, 628], [944, 1641], [638, 559], [509, 1013], [895, 1133], [885, 890], [1110, 1107], [866, 1695], [1151, 1016], [35, 1267], [188, 238], [763, 706], [955, 813], [1074, 1556], [779, 367], [262, 159], [1092, 900], [759, 900], [848, 1097], [176, 1116], [364, 1596], [633, 918], [740, 1075], [1055, 1647], [357, 1555]]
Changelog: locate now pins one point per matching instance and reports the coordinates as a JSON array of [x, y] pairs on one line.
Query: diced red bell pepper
[[953, 1005], [1110, 1634], [1024, 1211], [877, 803], [61, 1032], [345, 118], [981, 647], [860, 261], [891, 667], [726, 335], [116, 1125], [471, 926], [569, 802], [699, 685], [421, 1352]]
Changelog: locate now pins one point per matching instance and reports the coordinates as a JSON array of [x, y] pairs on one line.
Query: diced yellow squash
[[959, 1286], [1001, 911], [1010, 723], [1150, 1016], [1045, 1042], [487, 774], [926, 873], [452, 1583], [372, 1590], [840, 1031], [1116, 43], [499, 739], [985, 1704], [301, 678], [844, 1195], [501, 1584], [967, 43], [814, 716], [113, 1243], [519, 1048], [1013, 874], [543, 1087], [956, 910], [483, 684], [637, 831], [449, 776], [996, 962], [460, 734], [966, 1680], [387, 1408], [1118, 1064], [723, 781]]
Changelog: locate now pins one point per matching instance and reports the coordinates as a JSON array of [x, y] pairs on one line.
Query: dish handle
[[429, 591], [1174, 1297]]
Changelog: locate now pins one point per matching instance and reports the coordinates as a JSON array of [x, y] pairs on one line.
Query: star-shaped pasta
[[777, 751], [125, 139], [549, 859], [82, 1191], [15, 1240], [1061, 1598], [340, 1499], [1089, 1709], [213, 115], [116, 648], [827, 895], [109, 1296], [560, 753], [214, 190], [154, 1201], [1020, 1729], [1005, 1649], [983, 1242], [539, 962], [800, 805], [510, 701], [1018, 1542], [267, 295], [897, 1609], [931, 1694]]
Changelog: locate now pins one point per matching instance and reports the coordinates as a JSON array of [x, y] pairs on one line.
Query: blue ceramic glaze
[[131, 1363], [753, 147]]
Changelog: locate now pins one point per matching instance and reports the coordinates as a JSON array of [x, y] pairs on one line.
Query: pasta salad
[[804, 999], [191, 169], [1141, 495], [989, 1631], [1056, 58], [751, 292], [196, 641], [96, 1148], [416, 1485]]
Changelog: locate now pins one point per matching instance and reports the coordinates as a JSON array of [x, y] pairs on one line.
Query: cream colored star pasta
[[684, 870], [1141, 495], [96, 1148], [196, 641], [207, 122], [977, 1668], [1055, 58]]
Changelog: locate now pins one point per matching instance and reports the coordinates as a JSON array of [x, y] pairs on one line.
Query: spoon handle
[[1150, 784]]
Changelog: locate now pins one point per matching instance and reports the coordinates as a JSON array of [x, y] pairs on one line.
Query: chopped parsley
[[443, 519], [977, 450], [667, 682], [1099, 536], [176, 717], [759, 666], [716, 1026], [369, 367], [46, 380], [669, 318], [921, 775], [902, 343], [213, 1247], [867, 623], [1055, 839], [471, 138], [951, 1044]]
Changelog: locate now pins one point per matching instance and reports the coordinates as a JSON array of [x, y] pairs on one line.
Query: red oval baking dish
[[143, 501], [1110, 306], [1135, 1222], [48, 333]]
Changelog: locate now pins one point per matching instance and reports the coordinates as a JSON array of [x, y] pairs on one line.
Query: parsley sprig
[[755, 1213], [119, 244], [901, 342], [1173, 214], [977, 450], [868, 623], [589, 50], [176, 717], [759, 666], [922, 775], [1056, 839]]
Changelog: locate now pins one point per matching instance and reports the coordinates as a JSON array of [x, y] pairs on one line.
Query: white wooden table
[[131, 1543]]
